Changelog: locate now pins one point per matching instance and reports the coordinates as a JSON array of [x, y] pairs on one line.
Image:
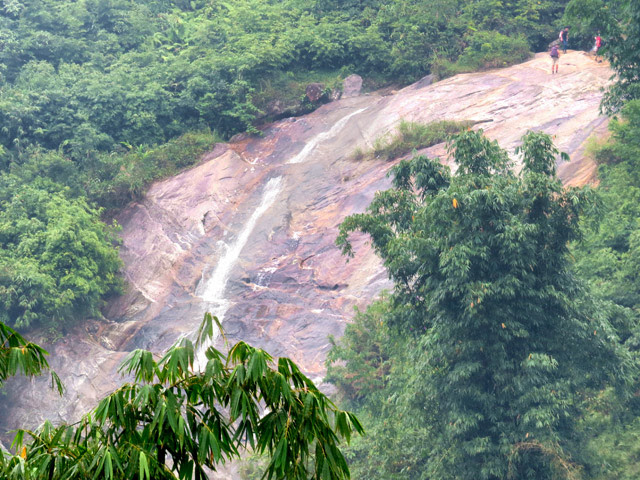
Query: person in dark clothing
[[555, 57], [564, 38]]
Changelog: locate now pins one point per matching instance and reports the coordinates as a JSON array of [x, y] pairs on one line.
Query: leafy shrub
[[492, 49], [181, 152], [600, 150], [287, 91], [485, 50], [444, 68], [122, 178], [57, 259]]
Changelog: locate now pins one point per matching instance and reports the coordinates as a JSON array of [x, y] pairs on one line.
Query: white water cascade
[[213, 288], [313, 143]]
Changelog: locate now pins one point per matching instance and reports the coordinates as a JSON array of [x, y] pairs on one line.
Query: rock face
[[249, 232], [351, 86], [424, 81], [314, 91]]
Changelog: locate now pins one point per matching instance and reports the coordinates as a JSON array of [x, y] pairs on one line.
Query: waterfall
[[213, 288], [313, 143]]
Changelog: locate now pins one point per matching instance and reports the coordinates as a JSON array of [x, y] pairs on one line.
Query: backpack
[[554, 51]]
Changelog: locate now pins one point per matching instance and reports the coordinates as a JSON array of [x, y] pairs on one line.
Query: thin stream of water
[[313, 143], [212, 290]]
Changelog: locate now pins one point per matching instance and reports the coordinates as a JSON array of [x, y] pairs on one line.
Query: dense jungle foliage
[[420, 348], [100, 97]]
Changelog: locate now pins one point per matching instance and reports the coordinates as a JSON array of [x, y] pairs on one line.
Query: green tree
[[177, 420], [371, 367], [508, 341], [57, 259]]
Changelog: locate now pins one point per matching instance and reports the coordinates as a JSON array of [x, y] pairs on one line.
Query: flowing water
[[313, 143], [212, 290]]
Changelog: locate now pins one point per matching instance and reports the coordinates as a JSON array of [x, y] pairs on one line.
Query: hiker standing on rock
[[597, 45], [564, 38], [555, 57]]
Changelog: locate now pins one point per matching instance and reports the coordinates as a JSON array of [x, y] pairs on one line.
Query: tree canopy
[[56, 257], [507, 340]]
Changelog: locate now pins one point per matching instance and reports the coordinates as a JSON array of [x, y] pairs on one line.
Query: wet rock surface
[[289, 288]]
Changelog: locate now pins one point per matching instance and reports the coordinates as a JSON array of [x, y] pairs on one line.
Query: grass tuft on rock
[[411, 136]]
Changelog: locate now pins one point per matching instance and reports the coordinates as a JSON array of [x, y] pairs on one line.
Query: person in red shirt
[[597, 46]]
